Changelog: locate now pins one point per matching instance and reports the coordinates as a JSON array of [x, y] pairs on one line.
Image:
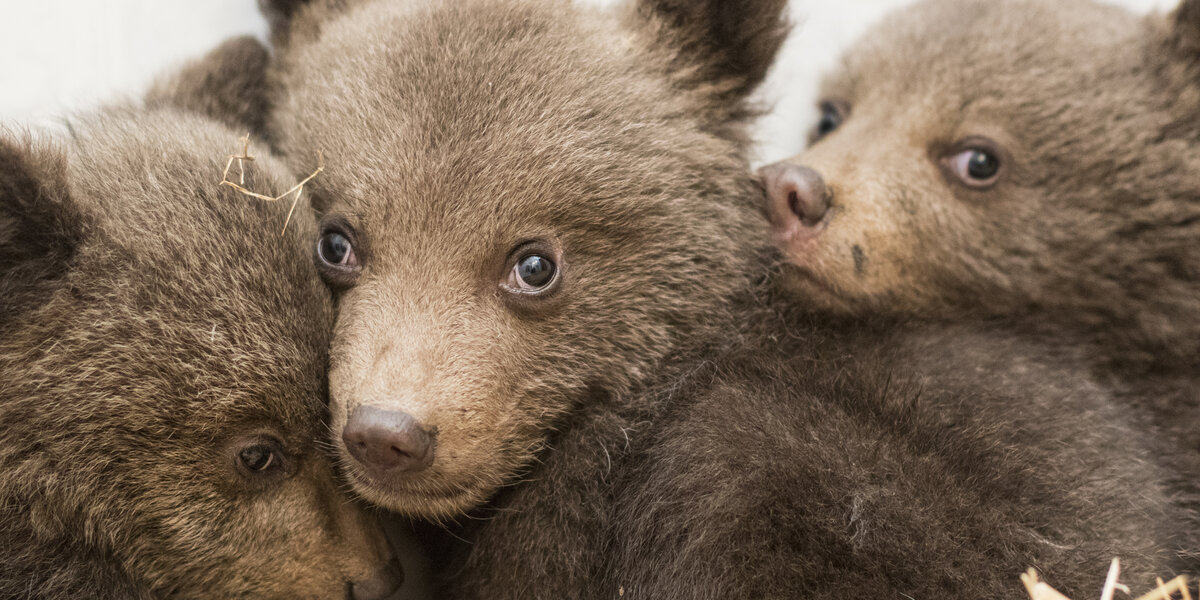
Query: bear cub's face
[[163, 405], [990, 156], [527, 213]]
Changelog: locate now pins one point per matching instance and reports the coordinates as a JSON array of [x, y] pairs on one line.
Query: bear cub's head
[[991, 158], [163, 353], [528, 206]]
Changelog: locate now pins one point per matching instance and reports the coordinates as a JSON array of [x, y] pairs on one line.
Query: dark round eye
[[533, 272], [259, 458], [976, 166], [335, 250], [831, 119]]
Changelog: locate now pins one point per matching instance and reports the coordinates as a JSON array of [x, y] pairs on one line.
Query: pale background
[[59, 56]]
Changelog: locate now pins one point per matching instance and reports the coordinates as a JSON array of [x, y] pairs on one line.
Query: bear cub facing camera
[[991, 159], [162, 353], [547, 246]]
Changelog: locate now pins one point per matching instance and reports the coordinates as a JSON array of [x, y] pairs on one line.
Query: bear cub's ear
[[39, 227], [726, 45], [282, 15], [229, 84]]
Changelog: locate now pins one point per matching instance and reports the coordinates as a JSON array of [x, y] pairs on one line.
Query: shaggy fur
[[154, 325], [648, 429], [1093, 226], [847, 462]]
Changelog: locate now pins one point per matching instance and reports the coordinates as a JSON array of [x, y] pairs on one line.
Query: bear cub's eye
[[258, 458], [976, 167], [534, 270], [335, 250], [833, 114], [337, 260]]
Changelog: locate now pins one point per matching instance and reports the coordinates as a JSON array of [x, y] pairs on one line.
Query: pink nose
[[795, 193], [387, 441]]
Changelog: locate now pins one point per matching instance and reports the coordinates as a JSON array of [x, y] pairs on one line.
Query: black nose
[[379, 586], [387, 440], [795, 192]]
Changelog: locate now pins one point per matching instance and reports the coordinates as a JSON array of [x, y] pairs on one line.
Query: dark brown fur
[[648, 429], [844, 462], [153, 325]]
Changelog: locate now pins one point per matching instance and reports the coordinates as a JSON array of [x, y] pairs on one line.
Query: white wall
[[58, 56]]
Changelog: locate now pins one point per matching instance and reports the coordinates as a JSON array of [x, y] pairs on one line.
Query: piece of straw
[[1110, 582], [1164, 591], [1039, 590], [241, 159]]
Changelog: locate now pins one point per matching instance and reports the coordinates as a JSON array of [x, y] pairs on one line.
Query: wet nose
[[379, 586], [795, 192], [387, 440]]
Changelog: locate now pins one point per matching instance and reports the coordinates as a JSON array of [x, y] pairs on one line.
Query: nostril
[[794, 205], [796, 192]]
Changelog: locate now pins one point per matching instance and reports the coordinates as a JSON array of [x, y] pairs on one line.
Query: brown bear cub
[[1029, 158], [1033, 162], [548, 254], [162, 353]]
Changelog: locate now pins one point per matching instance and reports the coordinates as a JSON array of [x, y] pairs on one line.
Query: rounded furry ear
[[279, 15], [1187, 27], [229, 84], [724, 46], [39, 227]]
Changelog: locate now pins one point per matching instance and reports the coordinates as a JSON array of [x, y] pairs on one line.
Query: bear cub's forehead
[[982, 47]]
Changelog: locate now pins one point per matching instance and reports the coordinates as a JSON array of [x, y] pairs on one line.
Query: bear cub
[[1037, 159], [163, 353], [1029, 162], [548, 251]]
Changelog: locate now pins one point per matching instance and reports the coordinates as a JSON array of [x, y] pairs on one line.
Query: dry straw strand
[[245, 156], [1165, 591], [1110, 582], [1040, 590]]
